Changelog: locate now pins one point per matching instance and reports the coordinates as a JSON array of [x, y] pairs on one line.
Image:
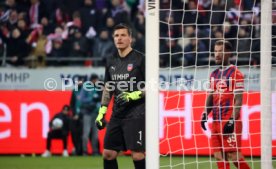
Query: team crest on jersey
[[129, 67], [221, 85]]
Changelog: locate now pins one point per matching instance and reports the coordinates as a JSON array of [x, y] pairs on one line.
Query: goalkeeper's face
[[221, 56], [122, 39]]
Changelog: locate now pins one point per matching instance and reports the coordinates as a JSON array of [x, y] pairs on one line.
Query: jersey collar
[[223, 68]]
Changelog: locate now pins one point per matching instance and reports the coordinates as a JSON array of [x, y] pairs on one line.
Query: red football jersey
[[223, 83]]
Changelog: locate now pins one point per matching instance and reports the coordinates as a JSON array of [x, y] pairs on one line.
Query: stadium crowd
[[195, 29], [39, 33]]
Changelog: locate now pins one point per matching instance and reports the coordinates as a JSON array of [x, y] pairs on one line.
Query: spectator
[[101, 4], [77, 19], [23, 6], [170, 29], [60, 16], [38, 54], [22, 26], [103, 47], [133, 6], [90, 104], [76, 122], [36, 12], [78, 46], [216, 35], [256, 46], [69, 7], [110, 23], [48, 28], [218, 13], [248, 4], [170, 54], [61, 36], [139, 42], [204, 13], [195, 53], [10, 4], [59, 129], [12, 21], [118, 12], [17, 48], [243, 48], [139, 23], [57, 52], [189, 31], [191, 15], [230, 32], [90, 16]]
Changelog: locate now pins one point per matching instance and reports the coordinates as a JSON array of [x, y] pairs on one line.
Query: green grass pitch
[[125, 162]]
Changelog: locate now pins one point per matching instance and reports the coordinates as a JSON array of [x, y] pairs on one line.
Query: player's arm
[[230, 125], [238, 94], [209, 103], [208, 109], [237, 104], [106, 97]]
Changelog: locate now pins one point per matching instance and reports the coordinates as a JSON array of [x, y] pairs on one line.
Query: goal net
[[188, 30]]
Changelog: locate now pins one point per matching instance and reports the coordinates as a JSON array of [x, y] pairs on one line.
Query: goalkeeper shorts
[[125, 134], [226, 142]]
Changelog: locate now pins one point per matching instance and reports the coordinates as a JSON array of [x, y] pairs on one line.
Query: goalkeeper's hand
[[204, 119], [229, 126], [100, 120], [126, 97]]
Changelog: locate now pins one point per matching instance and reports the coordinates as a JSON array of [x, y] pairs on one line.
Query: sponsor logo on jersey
[[129, 67], [221, 86], [112, 68], [120, 76]]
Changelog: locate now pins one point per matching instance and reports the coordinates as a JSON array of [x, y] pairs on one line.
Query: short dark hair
[[94, 77], [227, 45], [66, 107], [123, 26]]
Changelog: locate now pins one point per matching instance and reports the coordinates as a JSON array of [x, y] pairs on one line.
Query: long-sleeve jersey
[[223, 84], [127, 74]]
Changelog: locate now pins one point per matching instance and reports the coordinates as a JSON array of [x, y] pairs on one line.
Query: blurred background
[[47, 47]]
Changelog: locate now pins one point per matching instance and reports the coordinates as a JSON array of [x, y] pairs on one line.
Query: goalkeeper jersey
[[223, 83], [127, 74]]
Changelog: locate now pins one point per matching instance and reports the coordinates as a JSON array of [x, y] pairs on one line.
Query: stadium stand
[[39, 33]]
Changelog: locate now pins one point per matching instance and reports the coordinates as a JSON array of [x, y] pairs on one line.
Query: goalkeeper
[[225, 101], [124, 79]]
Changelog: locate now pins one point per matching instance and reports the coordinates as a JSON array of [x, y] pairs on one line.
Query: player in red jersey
[[225, 101]]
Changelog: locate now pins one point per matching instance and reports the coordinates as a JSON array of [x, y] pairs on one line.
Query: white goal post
[[152, 76], [266, 109]]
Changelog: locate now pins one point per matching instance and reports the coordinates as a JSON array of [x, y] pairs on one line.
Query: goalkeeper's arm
[[126, 97], [106, 97]]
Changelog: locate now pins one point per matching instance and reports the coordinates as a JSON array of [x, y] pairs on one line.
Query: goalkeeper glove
[[100, 120], [204, 119], [126, 97], [229, 126]]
